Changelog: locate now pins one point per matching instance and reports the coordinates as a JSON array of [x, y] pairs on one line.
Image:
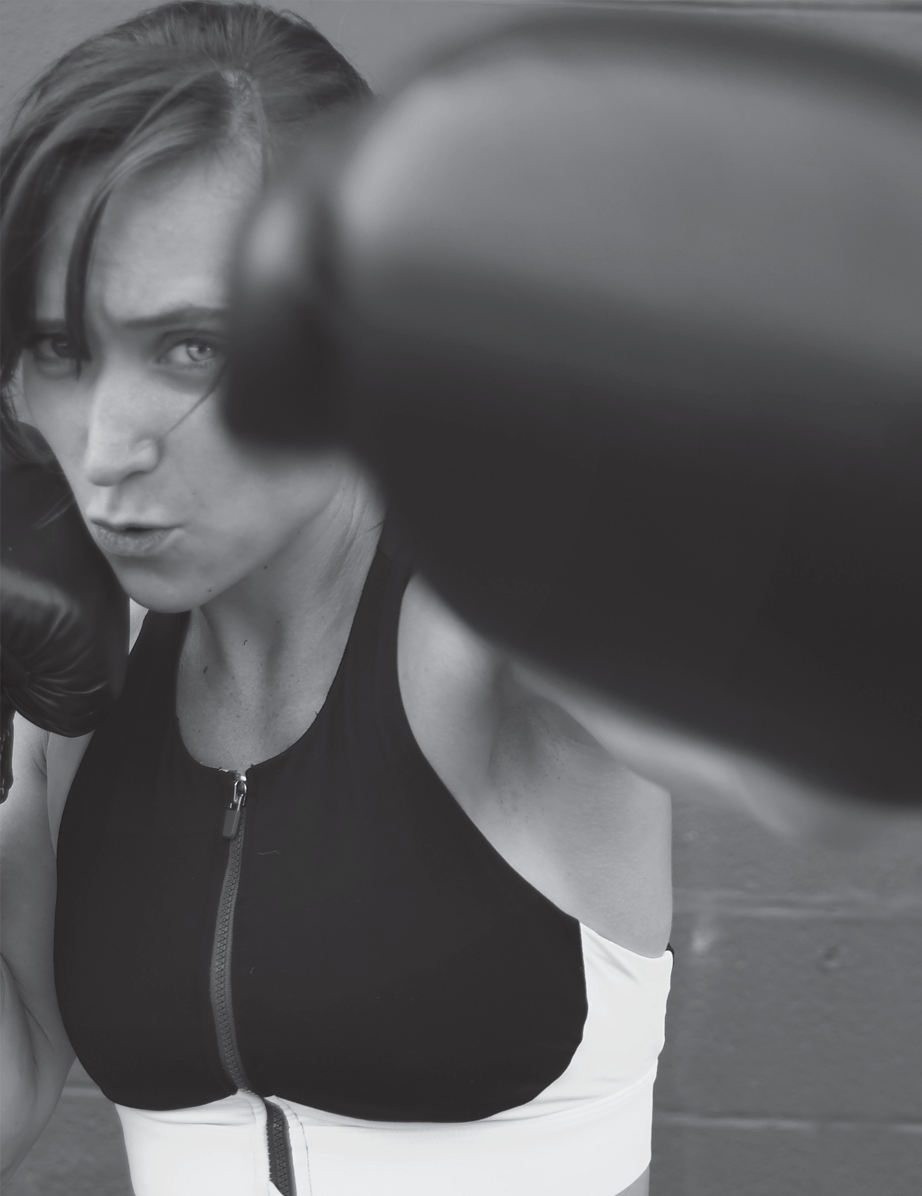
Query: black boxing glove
[[623, 311], [64, 622]]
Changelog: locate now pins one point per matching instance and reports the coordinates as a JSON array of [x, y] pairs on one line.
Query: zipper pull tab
[[235, 809]]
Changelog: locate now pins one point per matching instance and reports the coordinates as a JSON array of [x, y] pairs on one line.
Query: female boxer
[[347, 899]]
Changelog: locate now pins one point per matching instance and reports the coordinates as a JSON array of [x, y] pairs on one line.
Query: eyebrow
[[189, 314]]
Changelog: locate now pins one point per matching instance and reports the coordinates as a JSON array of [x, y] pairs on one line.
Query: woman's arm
[[36, 1053], [560, 807], [712, 774]]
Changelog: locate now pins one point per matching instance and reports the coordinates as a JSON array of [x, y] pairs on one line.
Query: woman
[[347, 899]]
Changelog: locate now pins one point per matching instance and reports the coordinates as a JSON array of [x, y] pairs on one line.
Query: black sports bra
[[346, 938]]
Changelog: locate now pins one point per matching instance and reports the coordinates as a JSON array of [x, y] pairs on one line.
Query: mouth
[[130, 539]]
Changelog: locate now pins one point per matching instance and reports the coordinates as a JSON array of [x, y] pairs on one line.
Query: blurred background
[[793, 1064]]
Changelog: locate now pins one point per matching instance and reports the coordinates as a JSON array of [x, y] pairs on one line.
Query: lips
[[130, 540]]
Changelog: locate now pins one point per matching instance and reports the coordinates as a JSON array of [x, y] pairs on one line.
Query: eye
[[193, 353], [53, 354], [52, 348]]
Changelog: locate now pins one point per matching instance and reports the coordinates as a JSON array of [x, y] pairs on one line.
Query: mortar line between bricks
[[748, 905], [799, 1125]]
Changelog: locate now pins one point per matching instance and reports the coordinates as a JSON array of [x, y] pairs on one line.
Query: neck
[[259, 658], [292, 600]]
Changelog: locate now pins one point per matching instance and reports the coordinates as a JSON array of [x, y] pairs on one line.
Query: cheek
[[229, 518], [54, 406], [242, 524], [251, 504], [240, 527]]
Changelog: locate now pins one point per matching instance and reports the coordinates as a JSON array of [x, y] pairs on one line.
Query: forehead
[[167, 239]]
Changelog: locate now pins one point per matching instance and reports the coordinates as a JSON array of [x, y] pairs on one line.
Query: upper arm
[[27, 874], [473, 704], [552, 725], [37, 1052], [549, 795], [684, 764], [28, 878], [586, 829]]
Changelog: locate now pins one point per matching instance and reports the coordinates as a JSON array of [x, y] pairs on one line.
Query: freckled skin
[[129, 436]]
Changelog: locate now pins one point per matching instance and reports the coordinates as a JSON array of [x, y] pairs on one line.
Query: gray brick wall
[[793, 1064]]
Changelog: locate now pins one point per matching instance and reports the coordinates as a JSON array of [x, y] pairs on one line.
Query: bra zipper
[[220, 976], [278, 1143]]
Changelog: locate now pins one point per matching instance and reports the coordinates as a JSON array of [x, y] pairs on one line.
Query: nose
[[123, 432]]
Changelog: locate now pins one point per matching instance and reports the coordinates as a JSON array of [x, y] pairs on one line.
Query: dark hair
[[178, 81]]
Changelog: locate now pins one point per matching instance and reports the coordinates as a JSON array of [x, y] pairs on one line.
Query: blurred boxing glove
[[64, 616], [624, 311]]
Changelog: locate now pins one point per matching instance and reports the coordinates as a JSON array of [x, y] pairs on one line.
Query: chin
[[163, 594]]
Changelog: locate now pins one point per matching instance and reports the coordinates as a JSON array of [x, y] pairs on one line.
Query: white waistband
[[595, 1149]]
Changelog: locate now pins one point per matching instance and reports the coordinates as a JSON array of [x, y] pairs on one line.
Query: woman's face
[[181, 510]]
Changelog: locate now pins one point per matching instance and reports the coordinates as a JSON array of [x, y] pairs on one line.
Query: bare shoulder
[[456, 683], [446, 666], [44, 766], [544, 789], [448, 678], [25, 812], [432, 633]]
